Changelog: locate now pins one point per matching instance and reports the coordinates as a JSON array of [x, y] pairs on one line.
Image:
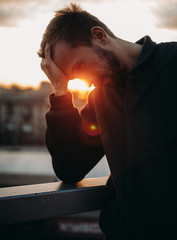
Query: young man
[[133, 109]]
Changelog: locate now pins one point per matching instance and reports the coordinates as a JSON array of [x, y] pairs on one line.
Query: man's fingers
[[54, 74], [43, 64], [46, 62], [47, 51]]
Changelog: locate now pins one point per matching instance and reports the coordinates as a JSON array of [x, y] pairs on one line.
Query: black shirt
[[138, 135]]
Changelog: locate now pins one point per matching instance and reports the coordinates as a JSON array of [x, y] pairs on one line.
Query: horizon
[[75, 86]]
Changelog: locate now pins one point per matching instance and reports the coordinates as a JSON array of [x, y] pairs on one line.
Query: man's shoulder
[[165, 55], [168, 48]]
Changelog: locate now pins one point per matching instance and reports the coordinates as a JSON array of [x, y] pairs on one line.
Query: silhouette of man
[[133, 109]]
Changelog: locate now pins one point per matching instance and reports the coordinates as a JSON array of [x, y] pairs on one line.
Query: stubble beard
[[116, 75]]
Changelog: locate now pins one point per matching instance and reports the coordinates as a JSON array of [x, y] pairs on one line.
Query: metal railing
[[42, 201]]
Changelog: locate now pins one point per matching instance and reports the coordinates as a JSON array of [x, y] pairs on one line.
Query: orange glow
[[90, 129], [79, 85], [93, 127]]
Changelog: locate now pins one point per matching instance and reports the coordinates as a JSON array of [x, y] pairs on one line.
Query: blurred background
[[24, 88]]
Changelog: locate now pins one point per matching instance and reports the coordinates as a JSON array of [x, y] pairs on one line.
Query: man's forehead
[[64, 52], [60, 48], [65, 56]]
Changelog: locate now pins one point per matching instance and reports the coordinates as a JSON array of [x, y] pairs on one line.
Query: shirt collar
[[148, 47]]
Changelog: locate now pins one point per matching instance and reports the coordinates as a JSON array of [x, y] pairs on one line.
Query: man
[[133, 109]]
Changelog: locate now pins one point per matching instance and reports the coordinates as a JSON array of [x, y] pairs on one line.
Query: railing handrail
[[41, 201]]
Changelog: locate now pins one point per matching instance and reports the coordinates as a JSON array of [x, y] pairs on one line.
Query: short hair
[[73, 25]]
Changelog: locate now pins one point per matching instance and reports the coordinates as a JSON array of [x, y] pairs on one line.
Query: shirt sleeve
[[74, 149]]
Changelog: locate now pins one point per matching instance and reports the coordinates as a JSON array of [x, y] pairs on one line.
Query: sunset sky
[[22, 23]]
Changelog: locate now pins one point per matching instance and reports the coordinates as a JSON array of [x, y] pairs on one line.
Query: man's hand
[[54, 73]]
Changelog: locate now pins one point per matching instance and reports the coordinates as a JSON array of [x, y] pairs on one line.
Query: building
[[22, 115]]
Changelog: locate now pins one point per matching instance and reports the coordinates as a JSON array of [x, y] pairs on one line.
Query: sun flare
[[79, 85]]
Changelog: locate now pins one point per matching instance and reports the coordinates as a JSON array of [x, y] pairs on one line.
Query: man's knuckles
[[45, 64]]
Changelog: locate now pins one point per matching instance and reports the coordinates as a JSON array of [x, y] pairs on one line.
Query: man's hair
[[73, 25]]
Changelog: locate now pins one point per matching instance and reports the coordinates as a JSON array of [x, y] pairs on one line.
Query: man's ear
[[99, 34]]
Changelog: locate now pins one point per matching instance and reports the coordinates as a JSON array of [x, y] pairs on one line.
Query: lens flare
[[79, 85], [93, 127], [90, 129]]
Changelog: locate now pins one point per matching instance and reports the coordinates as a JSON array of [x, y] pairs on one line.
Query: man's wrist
[[60, 90], [60, 102]]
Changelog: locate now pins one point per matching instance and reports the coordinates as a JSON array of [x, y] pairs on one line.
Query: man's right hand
[[54, 73]]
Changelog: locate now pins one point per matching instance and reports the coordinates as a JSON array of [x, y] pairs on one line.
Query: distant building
[[22, 115]]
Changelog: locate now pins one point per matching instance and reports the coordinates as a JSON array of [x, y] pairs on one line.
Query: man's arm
[[74, 152]]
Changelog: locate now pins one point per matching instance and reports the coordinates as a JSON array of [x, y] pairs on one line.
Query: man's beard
[[117, 76]]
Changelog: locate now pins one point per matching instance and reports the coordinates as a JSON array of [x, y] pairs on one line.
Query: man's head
[[83, 47], [72, 25]]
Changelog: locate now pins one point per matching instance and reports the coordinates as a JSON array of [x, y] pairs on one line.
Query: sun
[[79, 85]]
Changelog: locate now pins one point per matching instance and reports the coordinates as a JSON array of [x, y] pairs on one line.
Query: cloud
[[13, 11], [9, 18], [166, 14]]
